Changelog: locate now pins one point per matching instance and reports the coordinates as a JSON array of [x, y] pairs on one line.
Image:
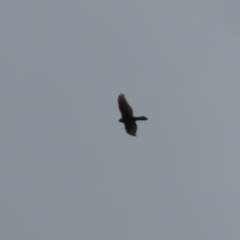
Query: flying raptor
[[127, 116]]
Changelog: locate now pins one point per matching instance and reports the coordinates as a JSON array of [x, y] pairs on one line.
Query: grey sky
[[69, 170]]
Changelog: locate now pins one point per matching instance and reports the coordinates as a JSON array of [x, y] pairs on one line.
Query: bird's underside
[[128, 119]]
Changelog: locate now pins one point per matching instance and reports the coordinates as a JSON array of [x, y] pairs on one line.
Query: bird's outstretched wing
[[124, 107], [131, 128]]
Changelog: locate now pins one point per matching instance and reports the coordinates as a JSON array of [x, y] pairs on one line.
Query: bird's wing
[[124, 107], [131, 128]]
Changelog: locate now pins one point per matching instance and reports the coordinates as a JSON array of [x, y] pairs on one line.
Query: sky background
[[69, 171]]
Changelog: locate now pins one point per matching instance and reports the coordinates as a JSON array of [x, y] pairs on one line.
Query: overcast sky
[[68, 170]]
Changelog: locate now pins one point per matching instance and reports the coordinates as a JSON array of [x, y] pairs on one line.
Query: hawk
[[127, 116]]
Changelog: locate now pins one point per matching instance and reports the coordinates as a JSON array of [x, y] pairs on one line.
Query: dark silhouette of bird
[[127, 116]]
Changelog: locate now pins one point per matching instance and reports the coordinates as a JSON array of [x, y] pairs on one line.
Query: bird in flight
[[127, 116]]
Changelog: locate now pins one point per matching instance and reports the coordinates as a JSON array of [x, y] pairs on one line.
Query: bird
[[127, 118]]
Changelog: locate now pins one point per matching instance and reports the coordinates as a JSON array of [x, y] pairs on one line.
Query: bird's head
[[120, 120]]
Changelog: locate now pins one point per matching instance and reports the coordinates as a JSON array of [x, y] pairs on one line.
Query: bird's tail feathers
[[140, 118]]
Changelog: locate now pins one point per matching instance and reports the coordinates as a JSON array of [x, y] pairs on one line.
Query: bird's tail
[[140, 118]]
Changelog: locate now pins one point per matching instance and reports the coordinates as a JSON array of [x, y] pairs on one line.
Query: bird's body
[[127, 116]]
